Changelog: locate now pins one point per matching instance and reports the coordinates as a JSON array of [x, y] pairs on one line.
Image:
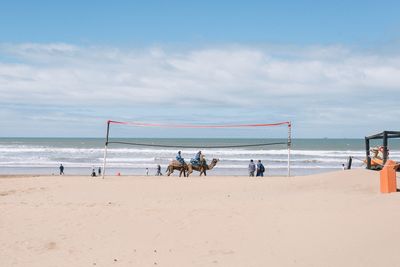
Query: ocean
[[80, 155]]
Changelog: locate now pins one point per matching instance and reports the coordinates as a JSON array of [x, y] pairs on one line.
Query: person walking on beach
[[61, 169], [260, 169], [252, 168], [99, 171], [147, 171], [158, 170]]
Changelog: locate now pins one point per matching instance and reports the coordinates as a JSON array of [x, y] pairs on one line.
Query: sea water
[[81, 155]]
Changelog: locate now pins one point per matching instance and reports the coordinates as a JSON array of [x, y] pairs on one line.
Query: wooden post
[[367, 153], [385, 149]]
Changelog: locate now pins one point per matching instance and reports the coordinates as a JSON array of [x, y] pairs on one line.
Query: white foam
[[18, 155]]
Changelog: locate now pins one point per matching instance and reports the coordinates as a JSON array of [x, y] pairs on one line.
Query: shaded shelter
[[385, 136]]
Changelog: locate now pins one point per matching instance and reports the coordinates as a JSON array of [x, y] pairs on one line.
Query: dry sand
[[335, 219]]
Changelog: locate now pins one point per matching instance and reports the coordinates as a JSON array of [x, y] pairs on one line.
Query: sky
[[330, 67]]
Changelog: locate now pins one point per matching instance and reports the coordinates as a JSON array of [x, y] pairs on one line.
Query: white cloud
[[299, 83]]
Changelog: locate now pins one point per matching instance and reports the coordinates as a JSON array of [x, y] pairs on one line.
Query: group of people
[[93, 174], [259, 169], [159, 173], [194, 161]]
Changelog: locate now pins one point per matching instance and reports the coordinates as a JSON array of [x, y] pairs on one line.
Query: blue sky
[[128, 23], [67, 66]]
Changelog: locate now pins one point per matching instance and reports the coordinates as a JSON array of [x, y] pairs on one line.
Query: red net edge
[[143, 124]]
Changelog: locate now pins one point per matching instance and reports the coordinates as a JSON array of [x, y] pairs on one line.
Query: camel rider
[[179, 158], [196, 159]]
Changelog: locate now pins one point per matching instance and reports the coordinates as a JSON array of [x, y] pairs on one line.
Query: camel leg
[[202, 171], [182, 170], [170, 170]]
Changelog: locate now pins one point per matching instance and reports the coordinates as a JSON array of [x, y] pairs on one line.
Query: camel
[[176, 165], [202, 168]]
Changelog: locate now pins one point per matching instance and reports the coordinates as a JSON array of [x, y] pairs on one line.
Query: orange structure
[[388, 177]]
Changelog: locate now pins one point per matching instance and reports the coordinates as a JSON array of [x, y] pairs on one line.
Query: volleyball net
[[110, 123]]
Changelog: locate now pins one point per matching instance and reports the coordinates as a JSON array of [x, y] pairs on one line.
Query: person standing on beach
[[158, 170], [99, 171], [252, 168], [147, 171], [260, 169], [61, 169]]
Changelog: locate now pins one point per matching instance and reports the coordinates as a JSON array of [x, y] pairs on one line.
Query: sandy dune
[[335, 219]]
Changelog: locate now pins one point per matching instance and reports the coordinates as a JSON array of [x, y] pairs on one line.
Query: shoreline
[[79, 155], [174, 175]]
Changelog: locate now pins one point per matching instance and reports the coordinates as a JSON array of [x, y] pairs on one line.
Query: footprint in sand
[[6, 193], [51, 246]]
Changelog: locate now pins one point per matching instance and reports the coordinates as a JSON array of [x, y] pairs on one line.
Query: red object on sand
[[388, 177]]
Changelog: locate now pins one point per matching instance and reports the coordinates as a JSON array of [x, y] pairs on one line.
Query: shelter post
[[385, 148], [367, 153]]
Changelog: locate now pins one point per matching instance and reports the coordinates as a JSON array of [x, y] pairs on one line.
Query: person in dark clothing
[[99, 171], [61, 169], [158, 170], [252, 168], [260, 169], [93, 173]]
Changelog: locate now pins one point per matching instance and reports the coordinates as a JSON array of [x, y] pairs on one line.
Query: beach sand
[[332, 219]]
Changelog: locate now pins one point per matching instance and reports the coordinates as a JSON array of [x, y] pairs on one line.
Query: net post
[[289, 143], [105, 149]]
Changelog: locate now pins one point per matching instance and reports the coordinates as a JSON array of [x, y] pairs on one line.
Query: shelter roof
[[389, 134]]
